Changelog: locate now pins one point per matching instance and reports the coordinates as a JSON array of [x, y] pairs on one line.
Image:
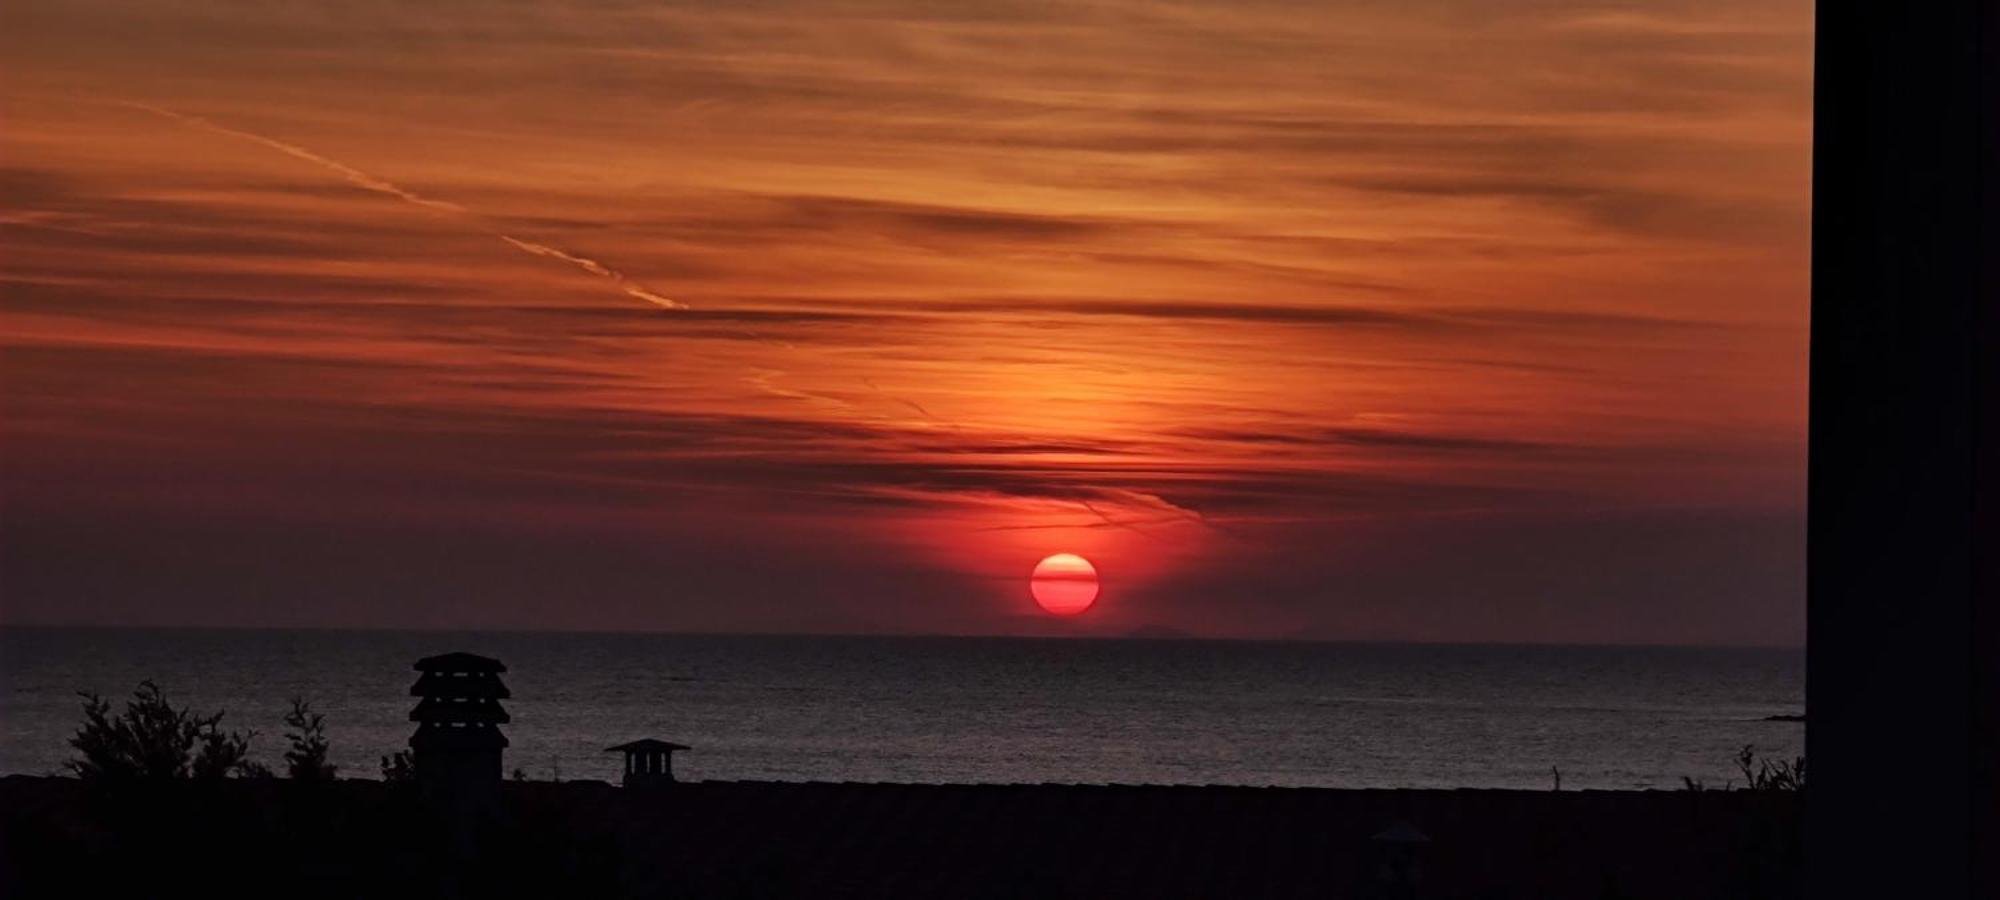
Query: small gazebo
[[649, 762], [1395, 862]]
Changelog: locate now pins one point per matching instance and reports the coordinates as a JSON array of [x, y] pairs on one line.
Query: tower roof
[[431, 736], [433, 710], [481, 686], [644, 744], [460, 662]]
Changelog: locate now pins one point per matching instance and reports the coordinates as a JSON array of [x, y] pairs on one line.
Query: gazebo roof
[[1402, 833], [644, 744], [460, 662]]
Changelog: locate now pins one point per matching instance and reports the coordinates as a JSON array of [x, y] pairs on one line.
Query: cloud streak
[[365, 181]]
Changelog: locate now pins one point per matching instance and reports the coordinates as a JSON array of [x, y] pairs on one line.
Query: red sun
[[1064, 584]]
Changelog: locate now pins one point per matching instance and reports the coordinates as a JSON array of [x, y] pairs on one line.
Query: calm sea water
[[968, 709]]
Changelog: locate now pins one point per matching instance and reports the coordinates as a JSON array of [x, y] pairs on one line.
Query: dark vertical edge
[[1902, 636], [1985, 632]]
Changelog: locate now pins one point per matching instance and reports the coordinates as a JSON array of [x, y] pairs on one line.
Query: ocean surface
[[967, 709]]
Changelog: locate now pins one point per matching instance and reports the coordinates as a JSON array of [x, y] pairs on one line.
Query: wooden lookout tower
[[648, 762], [458, 741]]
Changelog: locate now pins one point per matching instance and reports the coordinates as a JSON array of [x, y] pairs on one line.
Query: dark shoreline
[[827, 839]]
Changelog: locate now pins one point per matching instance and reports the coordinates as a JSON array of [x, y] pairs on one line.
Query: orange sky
[[1478, 321]]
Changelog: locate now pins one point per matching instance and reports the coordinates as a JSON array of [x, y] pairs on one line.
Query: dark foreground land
[[275, 838]]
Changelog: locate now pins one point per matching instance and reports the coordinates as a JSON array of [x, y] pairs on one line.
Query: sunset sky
[[1470, 320]]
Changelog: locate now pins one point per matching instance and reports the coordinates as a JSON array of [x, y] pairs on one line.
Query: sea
[[966, 709]]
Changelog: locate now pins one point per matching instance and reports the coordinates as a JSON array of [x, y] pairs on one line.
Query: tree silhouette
[[306, 761]]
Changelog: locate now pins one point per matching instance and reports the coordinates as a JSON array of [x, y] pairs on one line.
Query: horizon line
[[1180, 637]]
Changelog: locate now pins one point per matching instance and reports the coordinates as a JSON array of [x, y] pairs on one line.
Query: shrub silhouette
[[153, 739], [399, 766], [1770, 775], [306, 761], [1759, 774]]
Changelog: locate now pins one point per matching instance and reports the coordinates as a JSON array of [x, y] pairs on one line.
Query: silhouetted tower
[[458, 741], [648, 762]]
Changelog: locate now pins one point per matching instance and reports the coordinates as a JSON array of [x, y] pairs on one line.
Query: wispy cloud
[[369, 182]]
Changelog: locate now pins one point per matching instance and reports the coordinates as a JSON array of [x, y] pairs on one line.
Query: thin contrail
[[630, 287], [1115, 523], [366, 181], [1168, 507]]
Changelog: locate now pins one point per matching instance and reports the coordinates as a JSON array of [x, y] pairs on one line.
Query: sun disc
[[1064, 584]]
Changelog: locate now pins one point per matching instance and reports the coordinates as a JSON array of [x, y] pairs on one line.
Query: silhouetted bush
[[399, 766], [1758, 774], [153, 739], [306, 761], [1770, 775]]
